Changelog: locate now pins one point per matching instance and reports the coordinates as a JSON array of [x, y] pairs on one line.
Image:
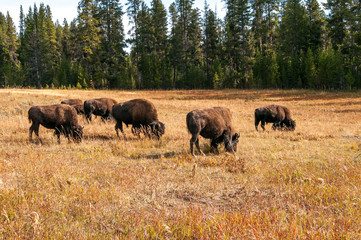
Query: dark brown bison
[[76, 103], [280, 116], [214, 123], [143, 116], [61, 117], [99, 107]]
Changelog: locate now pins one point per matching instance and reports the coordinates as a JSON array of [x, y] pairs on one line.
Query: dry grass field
[[304, 184]]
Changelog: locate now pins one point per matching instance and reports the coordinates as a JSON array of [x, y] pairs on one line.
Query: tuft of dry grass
[[279, 185]]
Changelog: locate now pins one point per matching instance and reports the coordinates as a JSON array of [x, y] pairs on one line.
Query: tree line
[[258, 44]]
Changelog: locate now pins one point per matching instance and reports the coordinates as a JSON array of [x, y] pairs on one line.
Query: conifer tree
[[211, 46], [238, 43], [87, 36], [112, 56], [9, 63]]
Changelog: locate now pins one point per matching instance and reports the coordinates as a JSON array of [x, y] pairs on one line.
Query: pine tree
[[110, 15], [309, 69], [292, 41], [238, 43], [293, 30], [133, 9], [317, 25], [49, 47], [211, 46], [161, 70], [144, 49], [30, 49], [176, 44], [88, 37], [337, 24], [330, 69], [9, 63], [194, 75]]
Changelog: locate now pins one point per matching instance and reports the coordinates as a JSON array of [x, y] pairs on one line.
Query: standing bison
[[214, 123], [76, 103], [143, 116], [280, 116], [61, 117], [99, 107]]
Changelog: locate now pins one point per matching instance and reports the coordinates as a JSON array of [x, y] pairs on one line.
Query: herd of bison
[[214, 123]]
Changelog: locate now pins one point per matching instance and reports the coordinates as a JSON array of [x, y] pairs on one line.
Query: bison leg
[[31, 129], [214, 144], [199, 149], [104, 117], [35, 128], [195, 140], [57, 133], [276, 125], [119, 126], [89, 117], [262, 125]]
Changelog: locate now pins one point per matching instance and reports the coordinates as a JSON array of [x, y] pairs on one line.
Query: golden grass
[[280, 185]]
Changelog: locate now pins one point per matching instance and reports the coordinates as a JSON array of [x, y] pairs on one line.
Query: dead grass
[[280, 185]]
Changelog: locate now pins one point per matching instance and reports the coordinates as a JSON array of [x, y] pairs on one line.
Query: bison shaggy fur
[[61, 117], [76, 103], [280, 116], [143, 116], [214, 123], [99, 107]]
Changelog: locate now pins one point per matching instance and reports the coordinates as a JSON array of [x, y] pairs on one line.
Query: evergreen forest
[[259, 44]]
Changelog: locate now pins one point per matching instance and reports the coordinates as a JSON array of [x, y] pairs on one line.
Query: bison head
[[291, 125], [157, 128], [231, 144], [77, 133]]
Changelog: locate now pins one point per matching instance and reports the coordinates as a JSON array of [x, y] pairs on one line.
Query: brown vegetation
[[280, 185]]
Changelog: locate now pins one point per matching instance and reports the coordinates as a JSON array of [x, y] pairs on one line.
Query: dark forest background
[[258, 44]]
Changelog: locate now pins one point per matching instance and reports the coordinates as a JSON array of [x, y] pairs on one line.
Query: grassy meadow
[[304, 184]]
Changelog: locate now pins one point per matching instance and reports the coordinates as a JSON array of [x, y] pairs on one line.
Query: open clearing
[[304, 184]]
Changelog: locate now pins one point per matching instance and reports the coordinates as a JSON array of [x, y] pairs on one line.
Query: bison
[[61, 117], [76, 103], [99, 107], [143, 116], [214, 123], [280, 116]]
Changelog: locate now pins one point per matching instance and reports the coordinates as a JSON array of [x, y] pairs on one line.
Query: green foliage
[[263, 44], [265, 70], [331, 69], [78, 85]]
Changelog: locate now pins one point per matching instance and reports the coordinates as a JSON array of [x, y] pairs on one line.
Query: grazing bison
[[99, 107], [214, 123], [76, 103], [280, 116], [143, 116], [61, 117]]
